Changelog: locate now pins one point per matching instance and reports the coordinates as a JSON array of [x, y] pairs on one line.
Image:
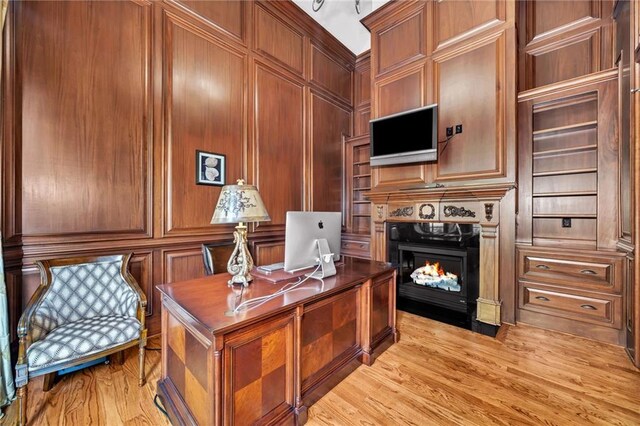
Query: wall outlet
[[566, 222], [449, 131], [458, 128]]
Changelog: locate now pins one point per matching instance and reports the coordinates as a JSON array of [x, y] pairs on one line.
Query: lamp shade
[[240, 203]]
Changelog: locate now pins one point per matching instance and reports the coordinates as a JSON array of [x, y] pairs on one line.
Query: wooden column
[[489, 303]]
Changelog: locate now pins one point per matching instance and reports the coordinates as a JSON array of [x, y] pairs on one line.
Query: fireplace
[[438, 266]]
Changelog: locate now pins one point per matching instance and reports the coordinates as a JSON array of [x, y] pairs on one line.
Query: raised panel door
[[205, 112], [182, 264], [278, 145], [546, 17]]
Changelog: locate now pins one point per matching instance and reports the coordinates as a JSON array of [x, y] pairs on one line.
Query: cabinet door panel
[[456, 19]]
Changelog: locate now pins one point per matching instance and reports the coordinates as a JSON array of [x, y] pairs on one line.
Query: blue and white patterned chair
[[85, 308]]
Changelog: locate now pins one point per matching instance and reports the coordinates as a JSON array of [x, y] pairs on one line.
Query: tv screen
[[406, 137]]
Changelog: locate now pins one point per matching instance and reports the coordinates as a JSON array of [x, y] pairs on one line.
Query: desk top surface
[[210, 302]]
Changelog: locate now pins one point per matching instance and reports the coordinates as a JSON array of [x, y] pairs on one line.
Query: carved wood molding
[[488, 191]]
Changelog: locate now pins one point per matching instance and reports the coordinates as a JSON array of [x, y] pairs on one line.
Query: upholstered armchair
[[85, 308]]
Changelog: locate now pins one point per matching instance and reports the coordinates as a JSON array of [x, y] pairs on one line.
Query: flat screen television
[[406, 137]]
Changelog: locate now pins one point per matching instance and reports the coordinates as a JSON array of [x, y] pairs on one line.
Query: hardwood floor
[[437, 374]]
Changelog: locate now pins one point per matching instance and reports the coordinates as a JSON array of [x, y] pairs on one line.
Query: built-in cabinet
[[573, 209], [356, 168]]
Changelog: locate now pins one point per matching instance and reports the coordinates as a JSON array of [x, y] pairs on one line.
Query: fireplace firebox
[[438, 266]]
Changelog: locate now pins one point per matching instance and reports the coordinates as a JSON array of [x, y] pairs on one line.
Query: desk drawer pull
[[545, 299], [545, 267], [589, 307], [588, 272]]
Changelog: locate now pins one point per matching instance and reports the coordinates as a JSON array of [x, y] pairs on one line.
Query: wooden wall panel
[[227, 16], [266, 253], [457, 19], [469, 90], [85, 138], [182, 264], [401, 92], [105, 103], [401, 42], [276, 39], [141, 267], [330, 74], [329, 121], [573, 59], [279, 141], [205, 112], [543, 17], [560, 40]]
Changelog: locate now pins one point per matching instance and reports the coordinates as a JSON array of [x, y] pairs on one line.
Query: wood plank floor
[[437, 374]]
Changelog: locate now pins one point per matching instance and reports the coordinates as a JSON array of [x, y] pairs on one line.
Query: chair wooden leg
[[118, 358], [49, 380], [22, 405], [142, 379]]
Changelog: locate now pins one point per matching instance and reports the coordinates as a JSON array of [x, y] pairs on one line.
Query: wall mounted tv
[[406, 137]]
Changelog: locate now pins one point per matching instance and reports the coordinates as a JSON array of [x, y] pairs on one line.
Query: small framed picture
[[210, 168]]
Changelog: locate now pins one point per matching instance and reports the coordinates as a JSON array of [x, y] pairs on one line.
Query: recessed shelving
[[564, 129], [566, 172], [564, 194], [357, 181], [561, 151]]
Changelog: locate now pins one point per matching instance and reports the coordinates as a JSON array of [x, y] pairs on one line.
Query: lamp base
[[240, 263]]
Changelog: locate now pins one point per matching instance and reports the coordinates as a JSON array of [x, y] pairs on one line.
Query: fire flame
[[434, 270]]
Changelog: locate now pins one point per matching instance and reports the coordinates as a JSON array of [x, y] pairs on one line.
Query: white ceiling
[[340, 18]]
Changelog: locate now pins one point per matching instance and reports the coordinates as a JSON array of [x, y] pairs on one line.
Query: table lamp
[[240, 203]]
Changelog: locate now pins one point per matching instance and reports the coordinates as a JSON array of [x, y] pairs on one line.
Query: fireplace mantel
[[460, 204]]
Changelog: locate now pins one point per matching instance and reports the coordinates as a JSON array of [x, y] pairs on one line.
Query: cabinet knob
[[589, 307], [588, 272], [544, 299], [545, 267]]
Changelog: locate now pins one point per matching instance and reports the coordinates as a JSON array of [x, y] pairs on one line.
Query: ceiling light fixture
[[317, 4]]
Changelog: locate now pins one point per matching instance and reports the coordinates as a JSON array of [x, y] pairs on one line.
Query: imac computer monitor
[[303, 229]]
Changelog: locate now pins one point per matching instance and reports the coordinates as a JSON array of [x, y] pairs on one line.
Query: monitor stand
[[327, 267]]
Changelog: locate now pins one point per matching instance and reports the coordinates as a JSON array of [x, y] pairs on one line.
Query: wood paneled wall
[[462, 56], [105, 104]]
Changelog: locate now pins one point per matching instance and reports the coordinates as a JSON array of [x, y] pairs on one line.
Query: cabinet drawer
[[603, 309], [355, 248], [581, 272]]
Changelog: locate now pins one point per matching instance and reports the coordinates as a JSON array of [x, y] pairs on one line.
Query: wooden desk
[[269, 364]]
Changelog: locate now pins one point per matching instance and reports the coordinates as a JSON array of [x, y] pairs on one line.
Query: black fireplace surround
[[456, 248]]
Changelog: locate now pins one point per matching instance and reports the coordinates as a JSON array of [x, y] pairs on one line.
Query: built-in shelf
[[364, 175], [364, 188], [360, 163], [561, 151], [361, 215], [571, 215], [564, 194], [565, 129], [357, 180], [361, 202], [566, 172]]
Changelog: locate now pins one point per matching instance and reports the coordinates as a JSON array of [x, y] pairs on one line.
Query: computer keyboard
[[272, 267]]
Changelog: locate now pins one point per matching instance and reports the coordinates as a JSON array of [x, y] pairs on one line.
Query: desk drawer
[[579, 271], [603, 309]]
